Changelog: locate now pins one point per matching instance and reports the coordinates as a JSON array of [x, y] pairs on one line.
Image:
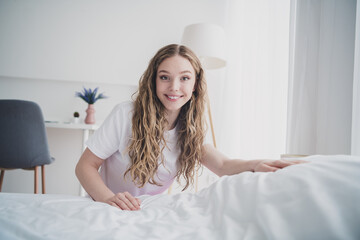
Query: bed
[[316, 200]]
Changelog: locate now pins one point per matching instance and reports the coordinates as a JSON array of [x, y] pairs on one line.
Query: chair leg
[[1, 178], [36, 177], [43, 178]]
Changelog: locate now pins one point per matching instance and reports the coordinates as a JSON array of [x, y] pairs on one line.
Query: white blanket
[[316, 200]]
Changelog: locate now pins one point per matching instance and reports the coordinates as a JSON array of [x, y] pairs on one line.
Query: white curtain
[[355, 133], [248, 97], [251, 121], [321, 77]]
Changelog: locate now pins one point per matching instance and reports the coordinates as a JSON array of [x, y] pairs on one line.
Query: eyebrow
[[164, 71]]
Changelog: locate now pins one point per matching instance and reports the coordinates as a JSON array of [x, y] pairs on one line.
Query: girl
[[143, 145]]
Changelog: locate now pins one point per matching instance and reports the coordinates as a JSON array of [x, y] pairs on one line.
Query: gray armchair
[[23, 141]]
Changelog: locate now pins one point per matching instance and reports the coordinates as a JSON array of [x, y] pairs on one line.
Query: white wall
[[93, 40], [50, 49]]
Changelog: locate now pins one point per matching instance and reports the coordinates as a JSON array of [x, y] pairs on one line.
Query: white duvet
[[316, 200]]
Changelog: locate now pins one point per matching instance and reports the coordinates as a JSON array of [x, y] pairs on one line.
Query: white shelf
[[86, 128], [82, 126]]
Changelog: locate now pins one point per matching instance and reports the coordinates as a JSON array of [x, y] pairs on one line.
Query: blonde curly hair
[[149, 123]]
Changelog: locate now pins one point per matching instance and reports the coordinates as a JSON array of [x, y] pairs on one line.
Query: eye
[[185, 78], [164, 77]]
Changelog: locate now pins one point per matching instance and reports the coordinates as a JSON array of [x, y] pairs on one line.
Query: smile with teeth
[[173, 97]]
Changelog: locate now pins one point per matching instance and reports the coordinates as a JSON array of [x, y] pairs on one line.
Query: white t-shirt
[[110, 143]]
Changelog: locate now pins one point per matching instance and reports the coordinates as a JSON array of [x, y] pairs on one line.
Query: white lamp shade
[[208, 42]]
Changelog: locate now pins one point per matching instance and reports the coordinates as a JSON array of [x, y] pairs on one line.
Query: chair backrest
[[23, 141]]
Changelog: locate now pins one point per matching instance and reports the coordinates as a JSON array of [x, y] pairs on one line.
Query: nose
[[175, 85]]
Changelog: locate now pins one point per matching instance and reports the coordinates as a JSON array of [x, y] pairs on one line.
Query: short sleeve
[[106, 140]]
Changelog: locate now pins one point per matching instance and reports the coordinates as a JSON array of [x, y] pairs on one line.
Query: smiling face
[[175, 83]]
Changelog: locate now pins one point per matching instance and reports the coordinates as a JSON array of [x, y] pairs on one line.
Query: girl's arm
[[222, 165], [87, 172]]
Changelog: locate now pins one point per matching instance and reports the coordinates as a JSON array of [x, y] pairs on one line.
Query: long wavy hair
[[149, 124]]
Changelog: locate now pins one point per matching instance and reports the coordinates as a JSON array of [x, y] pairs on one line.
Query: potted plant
[[90, 97], [76, 117]]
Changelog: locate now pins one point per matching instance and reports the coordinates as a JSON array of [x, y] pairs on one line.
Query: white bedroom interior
[[291, 84]]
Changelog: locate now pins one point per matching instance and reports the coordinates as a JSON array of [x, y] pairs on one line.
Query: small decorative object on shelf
[[76, 117], [90, 97]]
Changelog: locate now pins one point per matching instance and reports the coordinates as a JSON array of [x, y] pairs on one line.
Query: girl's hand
[[124, 201], [274, 165]]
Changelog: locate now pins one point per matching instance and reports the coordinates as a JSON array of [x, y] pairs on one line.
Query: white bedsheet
[[317, 200]]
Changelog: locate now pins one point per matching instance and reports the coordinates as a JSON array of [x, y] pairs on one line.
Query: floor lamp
[[208, 42]]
